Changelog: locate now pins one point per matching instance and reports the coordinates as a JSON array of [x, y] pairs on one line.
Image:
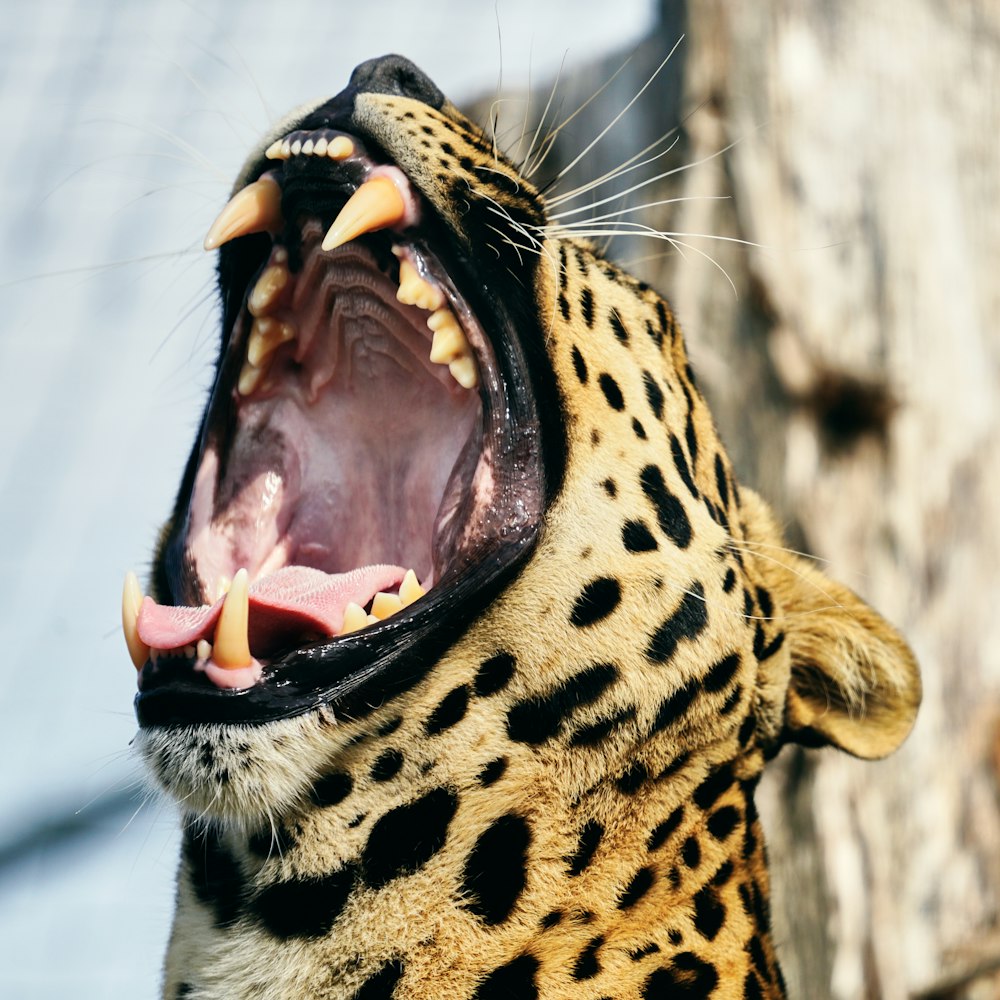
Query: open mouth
[[368, 471]]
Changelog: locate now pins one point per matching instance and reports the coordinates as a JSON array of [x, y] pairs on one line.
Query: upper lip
[[359, 669]]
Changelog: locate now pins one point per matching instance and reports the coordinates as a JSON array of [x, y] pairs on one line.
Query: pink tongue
[[283, 606]]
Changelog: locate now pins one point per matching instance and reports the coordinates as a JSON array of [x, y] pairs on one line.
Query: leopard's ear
[[853, 682]]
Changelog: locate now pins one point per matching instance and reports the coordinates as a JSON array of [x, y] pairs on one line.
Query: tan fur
[[843, 673]]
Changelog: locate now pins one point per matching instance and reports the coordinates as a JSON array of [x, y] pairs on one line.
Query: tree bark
[[854, 370]]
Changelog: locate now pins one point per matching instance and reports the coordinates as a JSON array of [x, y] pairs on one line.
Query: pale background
[[122, 126]]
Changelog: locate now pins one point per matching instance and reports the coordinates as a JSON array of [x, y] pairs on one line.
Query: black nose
[[395, 75]]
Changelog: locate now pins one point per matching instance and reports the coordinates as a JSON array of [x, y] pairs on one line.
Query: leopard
[[465, 649]]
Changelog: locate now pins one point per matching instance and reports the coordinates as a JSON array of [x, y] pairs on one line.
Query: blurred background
[[836, 274]]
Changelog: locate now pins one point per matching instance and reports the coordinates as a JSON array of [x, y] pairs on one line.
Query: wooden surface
[[854, 372]]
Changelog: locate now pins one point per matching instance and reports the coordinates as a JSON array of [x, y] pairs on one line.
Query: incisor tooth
[[266, 336], [354, 618], [268, 289], [320, 148], [376, 204], [231, 649], [204, 649], [384, 605], [410, 590], [254, 209], [463, 371], [131, 603], [415, 291]]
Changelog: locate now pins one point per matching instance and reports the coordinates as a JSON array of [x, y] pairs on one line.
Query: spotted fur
[[562, 804]]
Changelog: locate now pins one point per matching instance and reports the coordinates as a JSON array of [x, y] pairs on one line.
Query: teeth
[[308, 146], [463, 371], [410, 590], [250, 377], [273, 152], [354, 618], [340, 148], [377, 204], [254, 209], [296, 147], [232, 642], [268, 289], [320, 147], [204, 649], [415, 291], [131, 603], [266, 336], [384, 605]]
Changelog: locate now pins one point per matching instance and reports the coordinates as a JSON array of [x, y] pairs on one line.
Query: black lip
[[355, 674]]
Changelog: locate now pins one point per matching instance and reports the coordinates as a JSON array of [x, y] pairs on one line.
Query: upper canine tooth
[[231, 648], [131, 603], [415, 290], [268, 289], [254, 209], [378, 203], [340, 148]]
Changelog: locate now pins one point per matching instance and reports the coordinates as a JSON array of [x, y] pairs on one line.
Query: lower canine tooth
[[384, 605], [131, 603], [232, 641]]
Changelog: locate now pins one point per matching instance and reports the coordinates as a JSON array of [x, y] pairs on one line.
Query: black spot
[[687, 622], [637, 954], [579, 365], [721, 481], [720, 674], [670, 513], [391, 726], [610, 488], [551, 919], [611, 391], [587, 307], [214, 873], [709, 913], [732, 701], [596, 601], [690, 434], [640, 884], [631, 781], [746, 729], [672, 708], [723, 821], [751, 988], [513, 981], [382, 984], [183, 991], [587, 736], [680, 463], [586, 965], [663, 317], [765, 650], [674, 766], [494, 674], [636, 537], [691, 852], [357, 821], [674, 875], [590, 839], [765, 602], [709, 791], [675, 937], [655, 335], [686, 978], [407, 837], [304, 907], [387, 765], [759, 958], [638, 430], [496, 869], [493, 772], [663, 830], [730, 581], [564, 307], [535, 720], [451, 710], [723, 874], [654, 394], [617, 326]]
